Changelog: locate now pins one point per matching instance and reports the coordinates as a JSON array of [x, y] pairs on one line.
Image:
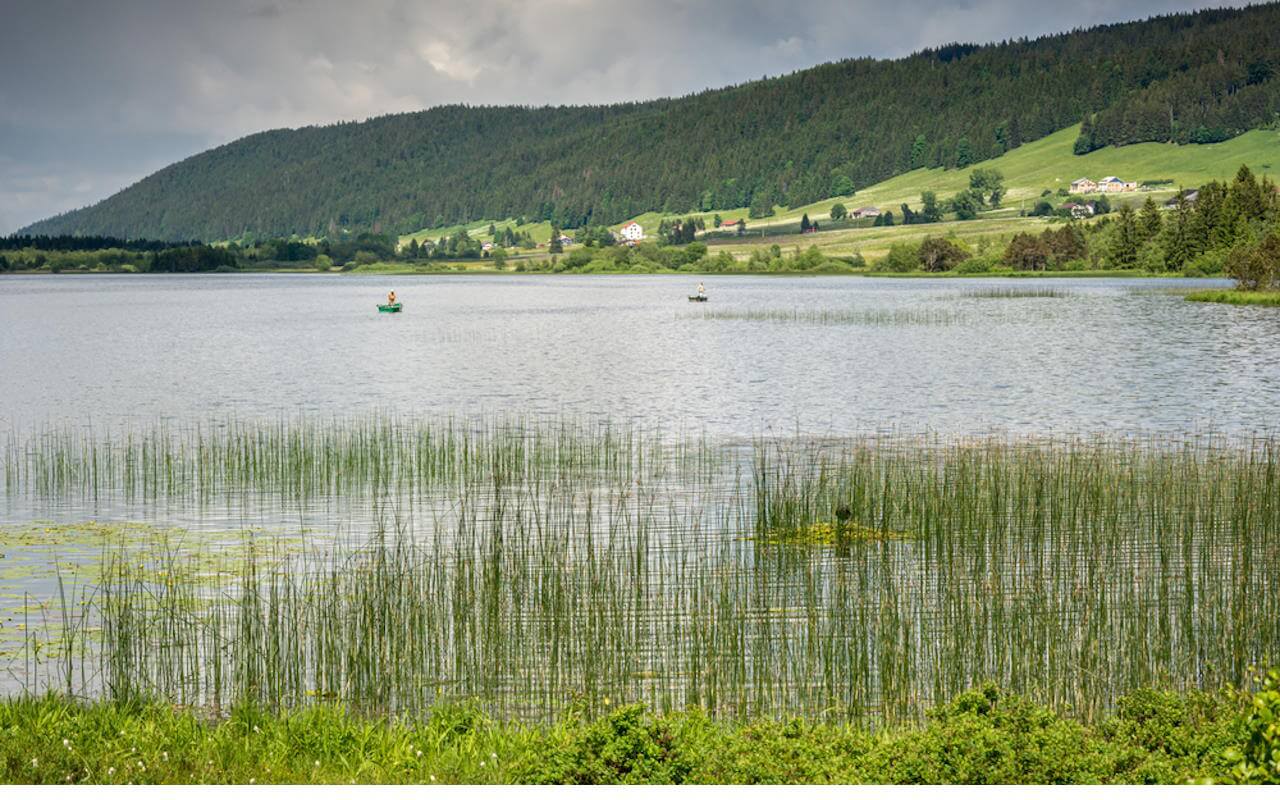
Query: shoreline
[[1016, 274]]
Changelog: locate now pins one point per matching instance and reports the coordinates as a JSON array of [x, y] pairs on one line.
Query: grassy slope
[[1030, 169], [1045, 164]]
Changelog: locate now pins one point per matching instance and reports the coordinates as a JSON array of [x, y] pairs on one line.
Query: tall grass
[[842, 316], [1073, 570]]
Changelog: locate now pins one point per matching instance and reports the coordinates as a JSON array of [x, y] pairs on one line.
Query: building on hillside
[[631, 233], [729, 223], [1083, 186], [1079, 210], [486, 246], [1189, 195], [866, 212], [1113, 184], [566, 240]]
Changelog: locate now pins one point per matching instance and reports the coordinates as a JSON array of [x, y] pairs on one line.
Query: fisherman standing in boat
[[702, 290], [391, 297]]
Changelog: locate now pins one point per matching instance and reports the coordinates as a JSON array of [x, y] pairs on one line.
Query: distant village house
[[1113, 184], [1190, 196], [1079, 210], [1083, 186], [631, 233], [867, 212]]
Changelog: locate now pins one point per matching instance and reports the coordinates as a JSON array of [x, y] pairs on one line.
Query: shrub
[[902, 257], [1258, 761], [937, 254], [629, 746], [975, 265], [1256, 267]]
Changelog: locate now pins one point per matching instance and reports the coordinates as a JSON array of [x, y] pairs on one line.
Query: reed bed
[[872, 317], [1016, 293], [340, 457], [1072, 570]]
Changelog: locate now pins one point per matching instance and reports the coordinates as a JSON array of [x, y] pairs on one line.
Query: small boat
[[389, 308], [697, 298]]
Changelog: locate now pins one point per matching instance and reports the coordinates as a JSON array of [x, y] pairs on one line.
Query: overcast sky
[[96, 94]]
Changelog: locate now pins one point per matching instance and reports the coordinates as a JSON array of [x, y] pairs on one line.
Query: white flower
[[253, 780], [433, 778], [493, 756], [419, 754], [164, 755], [111, 770], [35, 763], [66, 743]]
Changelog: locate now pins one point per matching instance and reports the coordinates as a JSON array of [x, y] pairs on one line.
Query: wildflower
[[111, 770], [419, 754], [164, 755], [433, 778], [35, 763], [66, 743], [493, 756], [253, 780], [256, 729], [317, 763]]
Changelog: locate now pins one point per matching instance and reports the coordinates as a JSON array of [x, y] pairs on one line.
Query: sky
[[97, 94]]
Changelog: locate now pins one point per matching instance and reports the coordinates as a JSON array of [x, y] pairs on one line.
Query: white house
[[1079, 210], [631, 232], [867, 212], [1113, 184], [566, 240], [1083, 186]]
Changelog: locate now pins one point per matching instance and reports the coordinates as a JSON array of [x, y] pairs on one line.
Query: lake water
[[1103, 355]]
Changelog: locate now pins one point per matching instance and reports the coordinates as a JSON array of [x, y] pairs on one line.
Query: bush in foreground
[[982, 736]]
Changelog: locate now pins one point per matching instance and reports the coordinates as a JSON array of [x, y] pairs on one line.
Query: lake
[[830, 496], [815, 354]]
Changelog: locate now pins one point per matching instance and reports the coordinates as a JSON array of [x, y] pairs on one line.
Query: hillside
[[788, 141]]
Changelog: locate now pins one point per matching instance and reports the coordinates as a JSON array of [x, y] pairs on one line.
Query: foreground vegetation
[[858, 580], [984, 735]]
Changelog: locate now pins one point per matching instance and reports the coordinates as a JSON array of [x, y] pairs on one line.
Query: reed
[[871, 317], [1073, 570]]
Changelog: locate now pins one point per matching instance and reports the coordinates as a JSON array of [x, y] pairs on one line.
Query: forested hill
[[790, 140]]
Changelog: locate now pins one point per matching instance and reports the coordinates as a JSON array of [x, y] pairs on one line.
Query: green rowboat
[[390, 308]]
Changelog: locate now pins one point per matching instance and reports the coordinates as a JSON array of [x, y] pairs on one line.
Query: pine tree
[[1150, 222]]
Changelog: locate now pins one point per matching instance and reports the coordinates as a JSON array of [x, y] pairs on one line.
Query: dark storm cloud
[[97, 94]]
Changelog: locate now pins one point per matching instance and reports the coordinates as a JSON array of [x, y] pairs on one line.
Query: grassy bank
[[980, 736], [1236, 297]]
